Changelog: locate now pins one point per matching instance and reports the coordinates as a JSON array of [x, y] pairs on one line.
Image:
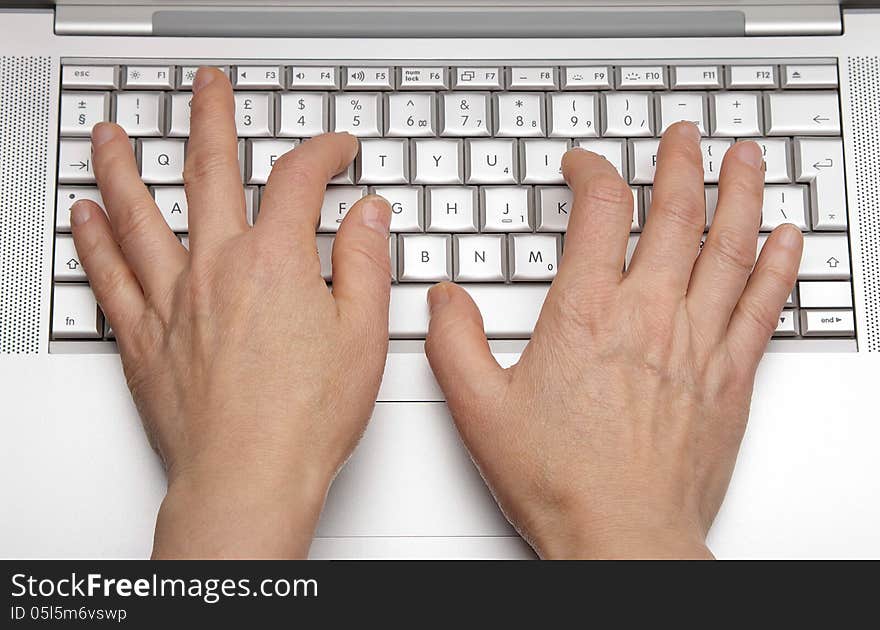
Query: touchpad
[[411, 476]]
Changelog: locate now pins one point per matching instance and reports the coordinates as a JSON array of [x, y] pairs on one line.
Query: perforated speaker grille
[[25, 92], [864, 76]]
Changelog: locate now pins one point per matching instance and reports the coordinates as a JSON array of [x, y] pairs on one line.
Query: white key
[[302, 115], [819, 162], [383, 162], [410, 115], [573, 115], [75, 313], [628, 115], [150, 77], [253, 114], [424, 257], [359, 114], [520, 115], [751, 77], [643, 160], [141, 113], [776, 158], [505, 209], [533, 257], [262, 155], [161, 161], [631, 245], [451, 209], [642, 78], [541, 161], [491, 162], [338, 200], [469, 78], [696, 78], [825, 257], [181, 107], [788, 325], [552, 207], [825, 294], [171, 201], [636, 225], [344, 177], [713, 155], [678, 106], [258, 77], [437, 161], [735, 114], [586, 78], [810, 77], [80, 111], [66, 197], [479, 258], [612, 150], [407, 206], [827, 323], [423, 78], [68, 268], [802, 113], [325, 255], [89, 77], [532, 78], [314, 78], [75, 162], [784, 204], [187, 74], [369, 78], [465, 114]]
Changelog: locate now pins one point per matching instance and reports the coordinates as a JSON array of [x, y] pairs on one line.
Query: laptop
[[803, 78]]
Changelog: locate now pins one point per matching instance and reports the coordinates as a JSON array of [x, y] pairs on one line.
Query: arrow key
[[788, 325], [802, 113]]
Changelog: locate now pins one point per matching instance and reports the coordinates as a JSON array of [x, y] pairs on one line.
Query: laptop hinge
[[487, 19]]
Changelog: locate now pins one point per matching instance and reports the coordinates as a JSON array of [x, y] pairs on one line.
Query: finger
[[212, 173], [362, 266], [601, 218], [113, 282], [728, 257], [757, 314], [295, 190], [457, 348], [670, 241], [150, 247]]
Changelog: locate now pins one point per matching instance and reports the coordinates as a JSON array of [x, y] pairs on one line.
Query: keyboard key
[[784, 204], [465, 114], [713, 156], [262, 155], [451, 209], [89, 77], [628, 115], [574, 115], [149, 77], [532, 78], [825, 294], [478, 78], [825, 257], [802, 113], [422, 78], [642, 78], [359, 114], [424, 258], [411, 115], [181, 107], [534, 257], [505, 209], [302, 114], [407, 206], [480, 258], [838, 323], [437, 161], [678, 106], [586, 78], [612, 150], [187, 74], [75, 313], [338, 200], [141, 113], [258, 77], [75, 162], [797, 76], [819, 162], [161, 161], [491, 161], [369, 78], [69, 195], [383, 162], [643, 161], [541, 161], [696, 78], [172, 203], [751, 77], [735, 114], [68, 268], [253, 114], [80, 111], [314, 78], [520, 115], [552, 207], [776, 158], [788, 326]]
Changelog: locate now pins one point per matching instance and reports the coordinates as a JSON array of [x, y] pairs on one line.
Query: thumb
[[362, 265], [457, 348]]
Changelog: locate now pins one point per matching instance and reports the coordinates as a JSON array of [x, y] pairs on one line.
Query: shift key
[[825, 257]]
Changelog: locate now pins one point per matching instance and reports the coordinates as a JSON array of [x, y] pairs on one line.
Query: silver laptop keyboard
[[469, 158]]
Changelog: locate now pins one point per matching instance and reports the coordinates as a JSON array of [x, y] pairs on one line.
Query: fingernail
[[689, 130], [377, 215], [80, 212], [751, 154], [101, 133], [204, 76], [438, 296]]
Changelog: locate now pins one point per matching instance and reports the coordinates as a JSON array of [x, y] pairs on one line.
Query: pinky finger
[[757, 314], [114, 284]]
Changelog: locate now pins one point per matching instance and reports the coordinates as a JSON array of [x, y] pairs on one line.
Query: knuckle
[[759, 316], [202, 167], [132, 224], [683, 210], [733, 251], [606, 191]]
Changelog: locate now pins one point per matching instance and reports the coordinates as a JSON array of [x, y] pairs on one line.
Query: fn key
[[75, 313]]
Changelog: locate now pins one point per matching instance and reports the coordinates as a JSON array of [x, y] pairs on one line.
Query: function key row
[[576, 77]]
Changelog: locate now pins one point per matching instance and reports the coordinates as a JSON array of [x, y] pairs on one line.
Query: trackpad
[[411, 476]]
